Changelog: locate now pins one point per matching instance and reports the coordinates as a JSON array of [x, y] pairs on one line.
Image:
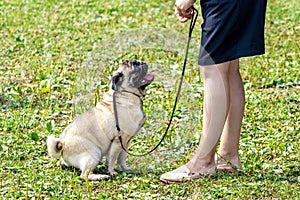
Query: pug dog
[[93, 134]]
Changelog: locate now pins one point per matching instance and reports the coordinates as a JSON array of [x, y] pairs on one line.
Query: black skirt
[[231, 29]]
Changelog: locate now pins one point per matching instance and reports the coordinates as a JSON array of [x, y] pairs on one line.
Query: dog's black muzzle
[[139, 71]]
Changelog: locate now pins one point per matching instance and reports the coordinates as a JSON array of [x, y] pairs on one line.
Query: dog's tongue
[[146, 80], [149, 77]]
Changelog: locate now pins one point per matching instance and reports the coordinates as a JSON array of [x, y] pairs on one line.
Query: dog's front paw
[[113, 173]]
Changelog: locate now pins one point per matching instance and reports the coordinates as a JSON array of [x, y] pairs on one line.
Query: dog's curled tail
[[54, 146]]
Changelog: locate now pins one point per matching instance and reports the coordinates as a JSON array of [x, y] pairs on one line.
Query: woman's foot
[[227, 164], [184, 173]]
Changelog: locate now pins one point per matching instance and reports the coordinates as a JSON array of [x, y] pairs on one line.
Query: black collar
[[126, 91]]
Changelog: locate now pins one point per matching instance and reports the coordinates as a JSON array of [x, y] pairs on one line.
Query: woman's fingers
[[183, 15]]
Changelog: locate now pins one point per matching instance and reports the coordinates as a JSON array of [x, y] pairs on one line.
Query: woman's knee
[[213, 71]]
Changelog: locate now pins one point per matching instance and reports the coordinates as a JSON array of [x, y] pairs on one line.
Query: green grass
[[46, 49]]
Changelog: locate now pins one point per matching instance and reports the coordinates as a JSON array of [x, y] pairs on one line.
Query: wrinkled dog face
[[132, 74]]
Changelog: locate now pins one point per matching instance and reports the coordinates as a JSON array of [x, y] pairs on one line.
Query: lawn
[[56, 59]]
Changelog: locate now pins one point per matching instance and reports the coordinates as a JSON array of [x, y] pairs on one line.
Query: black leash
[[192, 24]]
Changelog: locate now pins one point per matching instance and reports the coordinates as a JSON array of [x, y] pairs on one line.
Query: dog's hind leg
[[88, 162]]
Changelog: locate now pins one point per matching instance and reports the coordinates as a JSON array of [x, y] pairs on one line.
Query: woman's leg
[[216, 106], [229, 144]]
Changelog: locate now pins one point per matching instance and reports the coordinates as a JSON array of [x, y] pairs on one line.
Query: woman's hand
[[184, 10]]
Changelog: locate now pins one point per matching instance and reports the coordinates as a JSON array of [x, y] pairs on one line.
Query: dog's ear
[[116, 80]]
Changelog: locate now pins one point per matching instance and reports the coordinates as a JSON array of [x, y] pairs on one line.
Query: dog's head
[[131, 76]]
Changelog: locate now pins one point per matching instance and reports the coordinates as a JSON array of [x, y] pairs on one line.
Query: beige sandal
[[227, 166], [183, 174]]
